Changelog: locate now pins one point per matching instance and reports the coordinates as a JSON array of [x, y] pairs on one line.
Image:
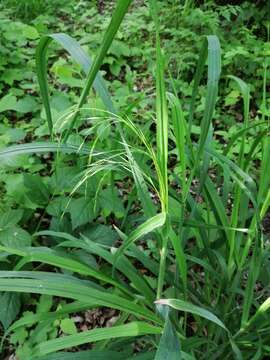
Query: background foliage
[[105, 188]]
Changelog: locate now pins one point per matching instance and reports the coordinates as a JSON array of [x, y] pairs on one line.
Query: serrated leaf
[[11, 75], [37, 190], [101, 234], [81, 211], [9, 309], [15, 237], [26, 105], [19, 336], [44, 304], [68, 327], [10, 218], [8, 102], [30, 32], [111, 203]]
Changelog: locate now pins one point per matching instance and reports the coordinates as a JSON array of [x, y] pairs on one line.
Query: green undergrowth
[[147, 198]]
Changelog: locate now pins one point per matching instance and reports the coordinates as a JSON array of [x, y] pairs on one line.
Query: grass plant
[[203, 295]]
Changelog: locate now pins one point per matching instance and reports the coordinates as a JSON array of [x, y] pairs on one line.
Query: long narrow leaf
[[117, 17], [41, 147], [169, 344], [128, 330], [193, 309], [142, 230], [123, 266], [63, 261], [51, 284], [79, 55]]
